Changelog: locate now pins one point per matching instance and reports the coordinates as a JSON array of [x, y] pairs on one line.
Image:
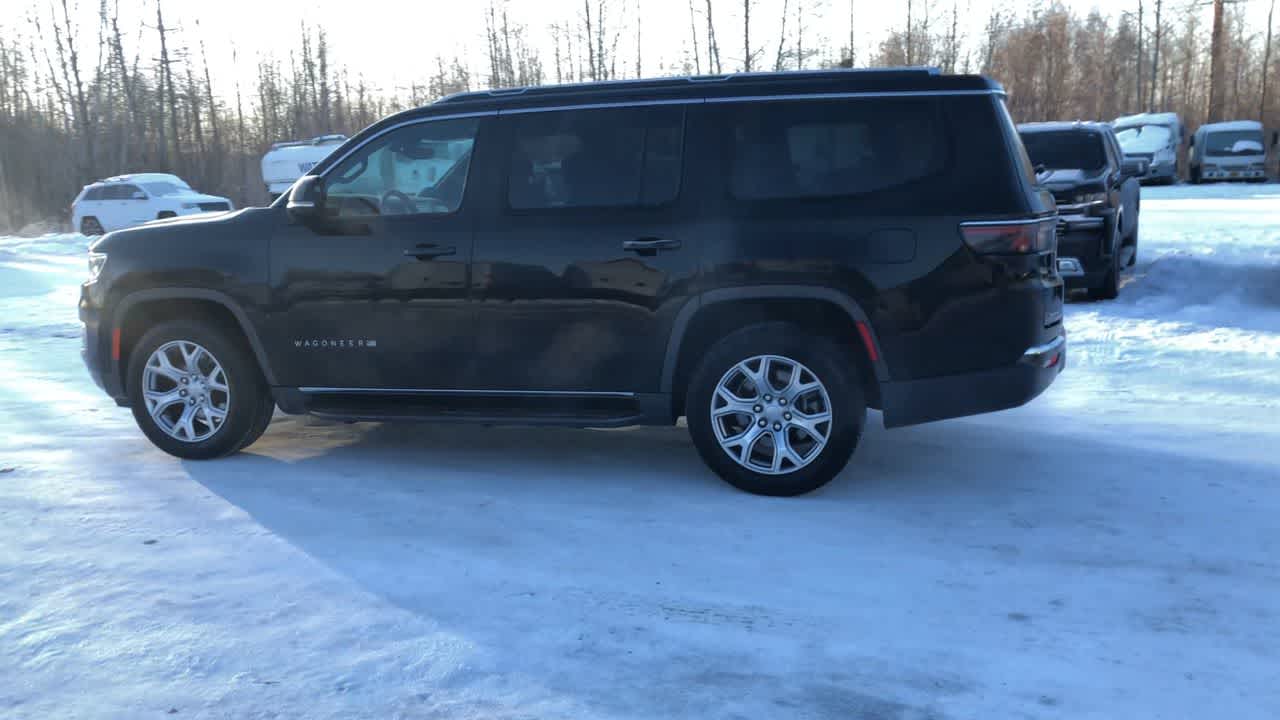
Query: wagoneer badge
[[335, 344]]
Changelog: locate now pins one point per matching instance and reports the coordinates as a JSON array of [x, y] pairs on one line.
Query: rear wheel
[[774, 410], [90, 226], [195, 390]]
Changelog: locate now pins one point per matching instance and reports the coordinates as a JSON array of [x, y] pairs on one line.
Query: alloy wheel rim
[[771, 414], [186, 391]]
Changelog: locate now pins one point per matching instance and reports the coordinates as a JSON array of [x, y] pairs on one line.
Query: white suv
[[127, 200]]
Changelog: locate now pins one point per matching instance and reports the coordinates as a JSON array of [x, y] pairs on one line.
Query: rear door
[[134, 210], [588, 253]]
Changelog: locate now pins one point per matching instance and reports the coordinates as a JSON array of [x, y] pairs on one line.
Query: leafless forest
[[67, 118]]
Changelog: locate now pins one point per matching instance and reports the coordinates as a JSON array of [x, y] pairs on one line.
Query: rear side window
[[834, 148], [626, 157], [94, 193]]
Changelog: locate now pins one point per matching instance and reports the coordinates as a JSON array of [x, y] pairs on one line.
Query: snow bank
[[36, 266]]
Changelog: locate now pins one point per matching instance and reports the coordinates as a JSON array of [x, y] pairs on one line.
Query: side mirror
[[1133, 168], [138, 195], [306, 197]]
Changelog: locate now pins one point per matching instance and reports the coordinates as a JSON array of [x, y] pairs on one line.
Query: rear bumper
[[919, 401]]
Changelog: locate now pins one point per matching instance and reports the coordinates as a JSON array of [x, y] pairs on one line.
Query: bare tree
[[1217, 86], [693, 27], [1266, 63], [782, 40], [713, 49]]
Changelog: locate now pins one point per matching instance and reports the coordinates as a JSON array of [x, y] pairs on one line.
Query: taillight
[[1021, 237]]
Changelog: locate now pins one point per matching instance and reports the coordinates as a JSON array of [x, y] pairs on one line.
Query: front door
[[373, 294], [587, 253]]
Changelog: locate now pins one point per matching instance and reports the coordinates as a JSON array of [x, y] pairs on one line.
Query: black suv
[[1098, 196], [765, 255]]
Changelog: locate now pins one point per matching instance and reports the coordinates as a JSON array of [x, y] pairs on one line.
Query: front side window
[[163, 189], [1066, 150], [420, 169], [828, 149], [625, 157]]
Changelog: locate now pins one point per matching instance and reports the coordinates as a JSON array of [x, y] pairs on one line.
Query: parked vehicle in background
[[127, 200], [287, 161], [1096, 189], [1155, 138], [767, 255], [1235, 150]]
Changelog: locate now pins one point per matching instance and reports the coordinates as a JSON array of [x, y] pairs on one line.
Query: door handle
[[649, 245], [429, 251]]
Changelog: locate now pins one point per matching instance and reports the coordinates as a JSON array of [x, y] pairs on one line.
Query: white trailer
[[287, 161]]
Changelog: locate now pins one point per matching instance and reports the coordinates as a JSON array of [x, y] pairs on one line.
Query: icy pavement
[[1110, 551]]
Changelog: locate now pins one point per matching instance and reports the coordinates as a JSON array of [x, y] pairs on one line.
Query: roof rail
[[683, 80]]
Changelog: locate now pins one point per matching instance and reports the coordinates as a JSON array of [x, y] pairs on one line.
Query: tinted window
[[94, 193], [117, 192], [128, 191], [596, 158], [419, 169], [163, 189], [814, 149], [1066, 150]]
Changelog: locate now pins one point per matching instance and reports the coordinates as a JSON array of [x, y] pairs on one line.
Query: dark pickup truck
[[1098, 198]]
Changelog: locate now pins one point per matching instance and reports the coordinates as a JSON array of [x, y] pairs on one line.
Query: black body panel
[[506, 310]]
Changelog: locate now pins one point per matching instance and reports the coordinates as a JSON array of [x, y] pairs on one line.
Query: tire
[[266, 411], [90, 226], [787, 349], [201, 437], [1110, 287], [1195, 175]]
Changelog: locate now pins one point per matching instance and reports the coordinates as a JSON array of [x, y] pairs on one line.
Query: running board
[[489, 409]]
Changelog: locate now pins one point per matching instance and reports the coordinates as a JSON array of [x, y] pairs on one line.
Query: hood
[[193, 196], [169, 226], [1066, 179]]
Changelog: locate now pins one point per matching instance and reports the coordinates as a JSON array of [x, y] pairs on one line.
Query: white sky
[[394, 42]]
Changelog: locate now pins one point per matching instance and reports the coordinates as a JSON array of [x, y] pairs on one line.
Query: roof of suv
[[139, 177], [1061, 125]]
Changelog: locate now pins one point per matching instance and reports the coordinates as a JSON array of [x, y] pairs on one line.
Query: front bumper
[[1230, 173], [96, 349], [913, 402], [1083, 255]]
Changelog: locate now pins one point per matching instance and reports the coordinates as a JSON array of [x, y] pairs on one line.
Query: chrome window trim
[[429, 391]]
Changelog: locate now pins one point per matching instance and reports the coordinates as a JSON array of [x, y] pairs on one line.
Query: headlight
[[190, 206], [96, 261], [1090, 198]]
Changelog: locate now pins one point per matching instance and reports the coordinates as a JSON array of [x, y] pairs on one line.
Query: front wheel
[[195, 390], [774, 410]]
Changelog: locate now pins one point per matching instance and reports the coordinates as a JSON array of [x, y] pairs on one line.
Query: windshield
[[162, 189], [1234, 142], [1144, 138], [1066, 150]]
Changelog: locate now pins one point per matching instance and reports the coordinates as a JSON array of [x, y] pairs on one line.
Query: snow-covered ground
[[1110, 551]]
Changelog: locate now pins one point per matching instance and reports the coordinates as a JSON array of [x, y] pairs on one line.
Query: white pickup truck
[[287, 161]]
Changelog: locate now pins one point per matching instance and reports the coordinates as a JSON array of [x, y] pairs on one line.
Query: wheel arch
[[143, 309], [705, 319]]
